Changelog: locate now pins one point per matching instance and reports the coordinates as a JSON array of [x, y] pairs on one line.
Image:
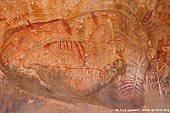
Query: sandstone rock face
[[102, 54]]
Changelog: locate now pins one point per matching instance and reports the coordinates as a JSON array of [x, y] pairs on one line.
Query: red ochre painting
[[84, 56]]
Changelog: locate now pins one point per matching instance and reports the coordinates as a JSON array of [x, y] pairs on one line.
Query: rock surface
[[84, 56]]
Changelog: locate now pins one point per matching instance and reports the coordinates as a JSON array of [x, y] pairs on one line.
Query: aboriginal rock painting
[[84, 56]]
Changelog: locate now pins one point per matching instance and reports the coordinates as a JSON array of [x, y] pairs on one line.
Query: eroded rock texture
[[78, 56]]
